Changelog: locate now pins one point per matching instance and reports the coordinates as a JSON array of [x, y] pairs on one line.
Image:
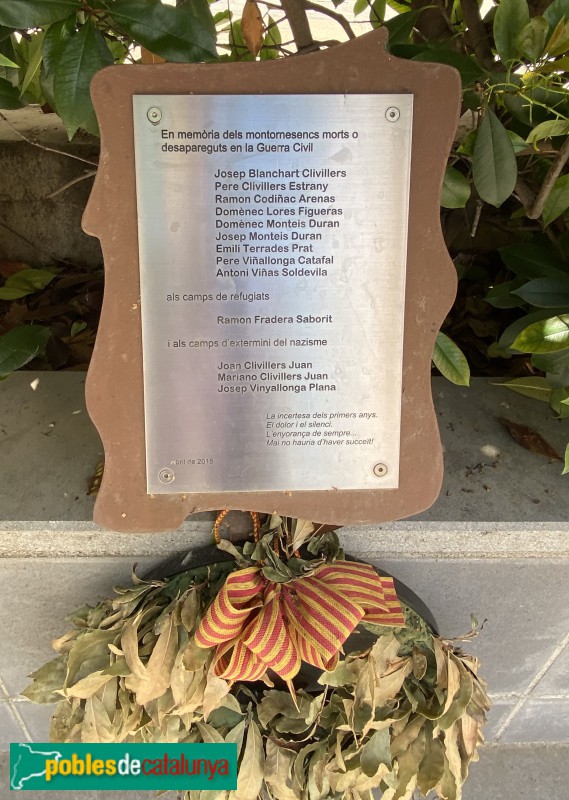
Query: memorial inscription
[[275, 277], [272, 243]]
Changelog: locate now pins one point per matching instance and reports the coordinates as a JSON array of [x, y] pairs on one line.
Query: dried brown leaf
[[215, 690], [209, 734], [88, 685], [129, 645], [236, 735], [469, 732], [419, 663], [405, 739], [64, 643], [278, 771], [529, 439], [433, 764], [64, 720], [97, 727], [251, 771], [303, 530], [252, 27], [155, 679], [189, 611], [453, 681], [408, 763], [89, 653], [390, 684], [46, 681]]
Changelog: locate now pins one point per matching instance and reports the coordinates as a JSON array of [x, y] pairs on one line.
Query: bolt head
[[392, 114], [166, 476], [154, 115], [380, 470]]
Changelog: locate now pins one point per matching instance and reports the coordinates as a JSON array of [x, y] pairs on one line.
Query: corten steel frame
[[115, 397]]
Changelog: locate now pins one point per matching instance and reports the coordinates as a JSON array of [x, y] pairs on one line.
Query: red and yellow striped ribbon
[[257, 624]]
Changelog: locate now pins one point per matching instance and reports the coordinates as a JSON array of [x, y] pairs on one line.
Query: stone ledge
[[405, 539]]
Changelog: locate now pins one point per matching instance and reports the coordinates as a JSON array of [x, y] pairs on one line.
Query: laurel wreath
[[401, 711]]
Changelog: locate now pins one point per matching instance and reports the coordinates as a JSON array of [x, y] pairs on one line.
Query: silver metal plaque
[[272, 238]]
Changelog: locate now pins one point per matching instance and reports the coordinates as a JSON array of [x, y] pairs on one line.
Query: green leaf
[[494, 168], [510, 19], [77, 327], [25, 282], [20, 346], [456, 189], [534, 387], [401, 27], [533, 259], [501, 295], [360, 5], [558, 402], [6, 62], [518, 143], [558, 44], [545, 292], [377, 13], [9, 95], [82, 55], [566, 466], [53, 41], [269, 50], [556, 365], [469, 70], [22, 14], [558, 200], [548, 129], [560, 65], [201, 11], [515, 328], [401, 8], [239, 50], [555, 12], [546, 336], [530, 41], [171, 32], [450, 361], [34, 60]]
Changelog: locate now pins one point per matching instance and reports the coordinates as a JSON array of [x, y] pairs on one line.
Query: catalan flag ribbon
[[257, 624]]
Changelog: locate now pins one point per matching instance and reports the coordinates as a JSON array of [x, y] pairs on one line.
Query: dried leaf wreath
[[235, 652]]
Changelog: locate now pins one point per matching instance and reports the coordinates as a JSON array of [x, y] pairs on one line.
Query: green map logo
[[73, 767], [29, 763]]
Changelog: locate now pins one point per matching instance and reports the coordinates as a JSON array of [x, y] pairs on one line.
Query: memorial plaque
[[275, 280], [273, 241]]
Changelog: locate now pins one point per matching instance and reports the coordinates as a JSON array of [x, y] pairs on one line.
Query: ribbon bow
[[257, 624]]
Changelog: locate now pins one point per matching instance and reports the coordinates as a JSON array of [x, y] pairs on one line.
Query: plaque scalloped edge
[[115, 379]]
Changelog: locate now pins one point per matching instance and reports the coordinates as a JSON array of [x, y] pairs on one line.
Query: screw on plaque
[[154, 115], [380, 470], [166, 476], [392, 114]]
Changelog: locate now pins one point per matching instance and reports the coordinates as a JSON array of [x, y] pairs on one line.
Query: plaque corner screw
[[154, 115], [380, 470], [392, 114], [166, 476]]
